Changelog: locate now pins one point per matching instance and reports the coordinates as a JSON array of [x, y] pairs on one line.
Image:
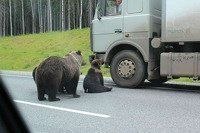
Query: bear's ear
[[91, 58], [68, 53], [78, 52]]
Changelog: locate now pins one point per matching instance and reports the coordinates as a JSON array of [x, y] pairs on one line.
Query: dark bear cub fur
[[93, 81], [56, 73]]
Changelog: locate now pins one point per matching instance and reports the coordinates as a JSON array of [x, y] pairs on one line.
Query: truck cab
[[128, 37]]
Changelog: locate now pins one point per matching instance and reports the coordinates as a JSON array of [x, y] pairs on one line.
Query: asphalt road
[[170, 108]]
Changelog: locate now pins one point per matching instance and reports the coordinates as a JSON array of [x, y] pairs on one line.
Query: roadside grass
[[186, 80], [25, 52]]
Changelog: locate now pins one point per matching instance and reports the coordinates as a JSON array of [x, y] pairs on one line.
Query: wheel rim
[[126, 69]]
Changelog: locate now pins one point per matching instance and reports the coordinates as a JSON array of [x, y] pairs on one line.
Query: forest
[[39, 16]]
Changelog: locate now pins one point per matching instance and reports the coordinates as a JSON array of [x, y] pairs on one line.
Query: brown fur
[[93, 82], [57, 72]]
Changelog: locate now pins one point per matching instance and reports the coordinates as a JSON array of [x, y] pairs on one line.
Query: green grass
[[187, 80], [27, 51]]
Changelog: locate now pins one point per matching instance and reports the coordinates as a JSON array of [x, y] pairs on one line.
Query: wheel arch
[[117, 47]]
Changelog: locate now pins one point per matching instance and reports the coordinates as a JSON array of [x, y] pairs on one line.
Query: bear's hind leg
[[41, 92], [73, 85], [99, 89], [52, 94]]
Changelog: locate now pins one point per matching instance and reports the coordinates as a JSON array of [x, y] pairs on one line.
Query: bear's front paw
[[86, 91], [76, 96], [41, 98]]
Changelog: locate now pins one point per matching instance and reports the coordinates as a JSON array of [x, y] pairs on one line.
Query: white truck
[[148, 39]]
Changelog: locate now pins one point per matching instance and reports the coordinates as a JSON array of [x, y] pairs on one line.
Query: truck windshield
[[109, 7], [113, 7]]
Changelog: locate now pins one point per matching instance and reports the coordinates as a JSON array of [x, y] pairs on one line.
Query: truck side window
[[113, 7], [135, 6]]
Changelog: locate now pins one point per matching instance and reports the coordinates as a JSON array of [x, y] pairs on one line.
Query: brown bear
[[93, 81], [61, 88], [33, 73], [56, 73]]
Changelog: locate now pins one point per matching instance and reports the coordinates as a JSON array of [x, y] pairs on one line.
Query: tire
[[128, 69]]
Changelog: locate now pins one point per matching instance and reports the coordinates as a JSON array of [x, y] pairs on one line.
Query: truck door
[[134, 22], [107, 25]]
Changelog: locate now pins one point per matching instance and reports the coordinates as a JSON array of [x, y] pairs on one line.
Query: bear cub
[[57, 73], [93, 81]]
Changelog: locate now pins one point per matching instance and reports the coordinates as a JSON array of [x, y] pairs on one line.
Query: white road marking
[[63, 109], [19, 76]]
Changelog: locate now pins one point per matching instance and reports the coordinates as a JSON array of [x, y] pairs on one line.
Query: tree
[[81, 14], [11, 25], [49, 15], [33, 16], [62, 15], [1, 18], [22, 10], [40, 16], [4, 18], [69, 15], [90, 11]]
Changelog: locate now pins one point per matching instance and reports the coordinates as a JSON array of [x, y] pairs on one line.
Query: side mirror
[[99, 18], [101, 7]]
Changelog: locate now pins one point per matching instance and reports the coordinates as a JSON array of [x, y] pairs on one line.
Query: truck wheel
[[127, 69]]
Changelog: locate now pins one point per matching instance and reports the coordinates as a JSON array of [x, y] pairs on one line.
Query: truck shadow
[[165, 87], [171, 87]]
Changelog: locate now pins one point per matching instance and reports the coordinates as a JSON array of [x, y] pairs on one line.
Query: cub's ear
[[91, 58], [78, 52]]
